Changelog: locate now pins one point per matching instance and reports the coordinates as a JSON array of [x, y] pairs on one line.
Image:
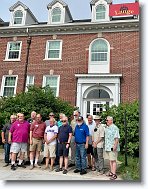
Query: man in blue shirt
[[81, 139]]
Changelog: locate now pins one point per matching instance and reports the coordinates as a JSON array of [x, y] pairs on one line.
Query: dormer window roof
[[58, 12], [21, 15]]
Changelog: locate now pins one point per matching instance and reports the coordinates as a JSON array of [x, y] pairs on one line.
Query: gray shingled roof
[[94, 1], [62, 3], [12, 8]]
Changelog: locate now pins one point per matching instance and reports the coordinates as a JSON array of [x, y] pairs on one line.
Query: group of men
[[88, 140]]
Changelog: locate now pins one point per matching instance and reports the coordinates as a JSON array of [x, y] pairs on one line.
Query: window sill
[[53, 59], [12, 60]]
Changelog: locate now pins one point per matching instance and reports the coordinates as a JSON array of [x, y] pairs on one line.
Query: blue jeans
[[7, 152], [81, 155]]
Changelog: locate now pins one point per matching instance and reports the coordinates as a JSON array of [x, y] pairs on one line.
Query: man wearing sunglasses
[[64, 138]]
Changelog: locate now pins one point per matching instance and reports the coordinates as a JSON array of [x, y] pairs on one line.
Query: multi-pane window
[[100, 12], [52, 82], [56, 15], [8, 86], [99, 51], [13, 50], [53, 50], [29, 81], [18, 17]]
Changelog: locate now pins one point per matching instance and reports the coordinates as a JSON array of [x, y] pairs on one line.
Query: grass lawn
[[131, 171]]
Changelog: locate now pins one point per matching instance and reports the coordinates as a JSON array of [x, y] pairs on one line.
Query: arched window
[[100, 12], [18, 17], [97, 94], [56, 15], [99, 51]]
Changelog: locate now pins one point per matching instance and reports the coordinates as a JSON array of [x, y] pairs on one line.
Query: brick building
[[88, 63]]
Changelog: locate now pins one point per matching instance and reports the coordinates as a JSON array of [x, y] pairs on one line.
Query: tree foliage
[[36, 99]]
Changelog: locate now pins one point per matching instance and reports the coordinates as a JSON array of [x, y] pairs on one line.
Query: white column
[[79, 96], [117, 94]]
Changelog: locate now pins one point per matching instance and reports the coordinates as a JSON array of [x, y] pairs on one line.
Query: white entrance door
[[96, 107]]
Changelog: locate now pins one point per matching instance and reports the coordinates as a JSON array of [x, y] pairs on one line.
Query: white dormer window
[[56, 14], [100, 12], [18, 17]]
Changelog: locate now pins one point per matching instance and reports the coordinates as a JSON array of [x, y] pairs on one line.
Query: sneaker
[[22, 165], [71, 165], [65, 171], [6, 165], [37, 166], [51, 168], [83, 171], [76, 171], [58, 170], [45, 168], [13, 167], [100, 173], [31, 167]]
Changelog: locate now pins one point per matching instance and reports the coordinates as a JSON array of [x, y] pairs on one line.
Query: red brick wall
[[124, 59]]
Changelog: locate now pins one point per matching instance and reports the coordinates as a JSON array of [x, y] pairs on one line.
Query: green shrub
[[36, 99]]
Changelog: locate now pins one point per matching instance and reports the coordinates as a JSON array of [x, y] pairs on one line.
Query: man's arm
[[87, 139], [3, 137], [69, 139], [115, 144], [9, 137]]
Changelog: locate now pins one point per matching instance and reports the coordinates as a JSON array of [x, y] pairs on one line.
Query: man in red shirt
[[36, 138]]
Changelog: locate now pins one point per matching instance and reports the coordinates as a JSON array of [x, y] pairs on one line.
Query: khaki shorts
[[112, 156], [50, 150], [37, 145], [18, 147]]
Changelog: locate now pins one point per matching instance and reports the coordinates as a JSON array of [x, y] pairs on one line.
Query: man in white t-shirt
[[50, 143]]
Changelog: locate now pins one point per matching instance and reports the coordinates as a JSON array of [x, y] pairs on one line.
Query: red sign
[[124, 9]]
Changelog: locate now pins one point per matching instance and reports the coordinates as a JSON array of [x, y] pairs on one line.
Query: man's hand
[[4, 141], [94, 145], [31, 142], [86, 146], [67, 145], [9, 141]]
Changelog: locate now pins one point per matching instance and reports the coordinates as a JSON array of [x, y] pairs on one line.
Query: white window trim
[[52, 16], [58, 82], [7, 51], [96, 13], [57, 5], [27, 81], [23, 18], [60, 53], [99, 62], [104, 3], [3, 82]]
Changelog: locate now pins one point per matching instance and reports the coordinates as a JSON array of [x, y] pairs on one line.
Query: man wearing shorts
[[19, 135], [112, 146], [36, 139], [50, 143], [64, 138]]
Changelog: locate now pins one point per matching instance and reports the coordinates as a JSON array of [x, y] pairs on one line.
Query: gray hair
[[110, 118]]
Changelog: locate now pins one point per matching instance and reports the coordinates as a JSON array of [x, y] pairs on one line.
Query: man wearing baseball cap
[[81, 139]]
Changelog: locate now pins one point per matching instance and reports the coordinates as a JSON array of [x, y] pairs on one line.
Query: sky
[[80, 9]]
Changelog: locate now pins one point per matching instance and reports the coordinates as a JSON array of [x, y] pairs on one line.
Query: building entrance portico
[[94, 91]]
